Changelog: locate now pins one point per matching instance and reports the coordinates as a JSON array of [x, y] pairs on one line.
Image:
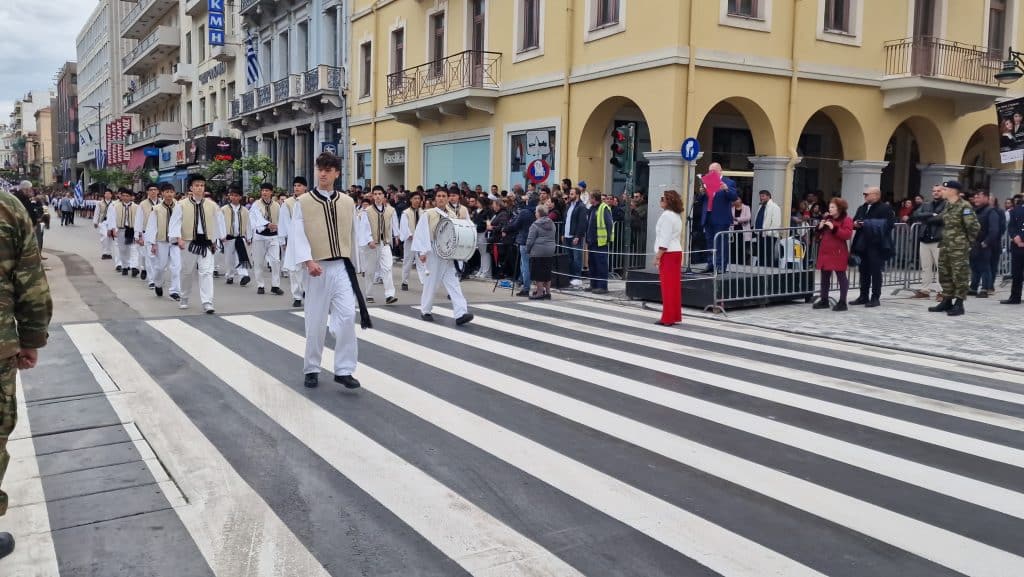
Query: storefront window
[[363, 169], [527, 146]]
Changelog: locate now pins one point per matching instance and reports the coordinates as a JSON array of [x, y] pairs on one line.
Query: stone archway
[[593, 149], [916, 157]]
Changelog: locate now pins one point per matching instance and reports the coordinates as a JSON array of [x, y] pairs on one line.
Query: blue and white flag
[[252, 59], [78, 191]]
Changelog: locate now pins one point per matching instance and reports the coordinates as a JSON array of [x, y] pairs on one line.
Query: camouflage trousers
[[8, 417], [954, 272]]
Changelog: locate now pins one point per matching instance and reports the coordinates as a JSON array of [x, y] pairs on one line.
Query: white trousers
[[167, 266], [408, 262], [485, 257], [297, 278], [204, 264], [929, 252], [231, 265], [106, 243], [442, 272], [266, 249], [331, 294], [143, 256], [127, 256], [377, 260]]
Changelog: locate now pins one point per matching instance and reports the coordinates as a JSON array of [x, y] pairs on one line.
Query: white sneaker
[[152, 285], [208, 308], [183, 304]]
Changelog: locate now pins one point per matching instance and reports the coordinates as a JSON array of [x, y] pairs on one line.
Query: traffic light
[[622, 148]]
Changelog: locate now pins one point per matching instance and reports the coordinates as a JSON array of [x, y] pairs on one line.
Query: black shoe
[[972, 293], [945, 305], [872, 304], [230, 281], [821, 304], [860, 301], [135, 272], [117, 268], [536, 297], [311, 381], [276, 290], [297, 304], [840, 306], [464, 319], [1010, 301], [142, 275], [427, 317], [6, 544], [405, 286], [391, 300], [245, 280], [216, 274], [159, 291], [175, 297], [349, 381], [600, 291], [107, 257], [523, 293], [124, 272], [982, 294], [957, 309], [547, 296], [260, 291]]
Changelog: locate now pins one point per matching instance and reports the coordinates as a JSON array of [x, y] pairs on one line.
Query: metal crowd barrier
[[762, 266], [625, 252]]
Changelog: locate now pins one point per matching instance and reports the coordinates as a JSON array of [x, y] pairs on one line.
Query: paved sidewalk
[[988, 333]]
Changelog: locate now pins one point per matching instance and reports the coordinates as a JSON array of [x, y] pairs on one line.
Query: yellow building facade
[[807, 95]]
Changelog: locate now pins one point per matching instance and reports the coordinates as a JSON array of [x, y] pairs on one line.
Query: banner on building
[[1010, 118], [209, 148], [117, 132]]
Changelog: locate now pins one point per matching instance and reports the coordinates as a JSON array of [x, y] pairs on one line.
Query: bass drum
[[455, 239]]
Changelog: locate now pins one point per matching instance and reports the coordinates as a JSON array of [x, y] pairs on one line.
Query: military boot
[[957, 309], [945, 305]]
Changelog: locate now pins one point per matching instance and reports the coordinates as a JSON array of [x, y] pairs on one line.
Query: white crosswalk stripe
[[570, 439]]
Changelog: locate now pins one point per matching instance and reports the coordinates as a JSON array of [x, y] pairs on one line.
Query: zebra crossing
[[544, 439]]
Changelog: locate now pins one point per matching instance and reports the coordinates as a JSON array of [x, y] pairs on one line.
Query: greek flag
[[78, 191], [252, 60]]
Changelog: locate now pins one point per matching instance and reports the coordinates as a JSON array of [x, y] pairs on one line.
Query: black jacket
[[578, 226], [929, 214], [875, 235], [988, 235]]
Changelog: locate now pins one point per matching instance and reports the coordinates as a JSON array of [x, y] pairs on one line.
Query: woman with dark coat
[[835, 230]]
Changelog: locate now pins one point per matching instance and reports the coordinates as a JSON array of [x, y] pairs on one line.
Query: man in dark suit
[[874, 223], [1016, 233], [718, 218]]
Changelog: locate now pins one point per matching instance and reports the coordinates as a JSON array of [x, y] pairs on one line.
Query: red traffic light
[[618, 148], [619, 135]]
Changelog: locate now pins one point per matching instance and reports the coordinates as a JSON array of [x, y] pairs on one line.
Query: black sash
[[364, 313], [200, 244], [243, 255], [129, 235]]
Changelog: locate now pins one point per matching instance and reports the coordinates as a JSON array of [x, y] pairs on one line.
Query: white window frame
[[591, 31], [854, 37], [762, 23], [398, 25], [440, 8], [517, 25], [1012, 24]]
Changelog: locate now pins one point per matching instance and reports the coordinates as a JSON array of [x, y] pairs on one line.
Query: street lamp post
[[1012, 71]]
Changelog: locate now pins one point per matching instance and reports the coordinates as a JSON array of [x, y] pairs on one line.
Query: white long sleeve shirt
[[300, 243], [422, 243], [669, 231], [174, 229], [371, 212], [236, 221], [141, 220], [403, 230], [258, 222]]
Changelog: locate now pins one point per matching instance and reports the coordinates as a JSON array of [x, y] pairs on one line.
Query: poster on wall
[[1010, 118], [525, 149]]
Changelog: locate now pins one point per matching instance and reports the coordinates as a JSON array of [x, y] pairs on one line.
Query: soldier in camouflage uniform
[[959, 229], [25, 309]]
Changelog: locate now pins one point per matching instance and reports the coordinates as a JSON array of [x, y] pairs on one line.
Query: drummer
[[438, 270]]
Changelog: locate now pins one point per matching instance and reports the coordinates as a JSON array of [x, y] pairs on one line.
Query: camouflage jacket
[[959, 226], [25, 305]]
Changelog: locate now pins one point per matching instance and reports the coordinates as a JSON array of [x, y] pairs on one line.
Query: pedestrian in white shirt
[[121, 229], [296, 272], [376, 256], [238, 241], [265, 216], [438, 270], [196, 226], [407, 227], [166, 254], [146, 260]]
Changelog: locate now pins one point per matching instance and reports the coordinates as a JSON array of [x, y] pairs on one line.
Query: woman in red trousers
[[669, 258]]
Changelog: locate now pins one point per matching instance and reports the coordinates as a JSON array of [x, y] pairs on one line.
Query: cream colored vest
[[229, 220], [188, 219], [163, 221], [289, 204], [146, 207], [120, 222], [374, 217], [461, 214], [274, 216], [411, 218], [328, 225]]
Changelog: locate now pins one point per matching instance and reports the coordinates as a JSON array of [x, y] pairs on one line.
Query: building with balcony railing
[[295, 107], [799, 97]]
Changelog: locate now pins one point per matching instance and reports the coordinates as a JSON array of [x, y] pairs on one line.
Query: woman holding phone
[[835, 230]]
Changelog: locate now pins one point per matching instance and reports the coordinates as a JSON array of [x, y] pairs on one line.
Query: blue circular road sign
[[690, 149]]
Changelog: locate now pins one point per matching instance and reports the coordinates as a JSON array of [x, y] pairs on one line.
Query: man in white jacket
[[767, 221]]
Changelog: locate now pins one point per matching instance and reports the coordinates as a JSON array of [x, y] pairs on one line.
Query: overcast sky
[[36, 38]]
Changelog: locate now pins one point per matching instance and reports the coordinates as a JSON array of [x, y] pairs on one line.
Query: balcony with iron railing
[[252, 7], [921, 67], [146, 14], [201, 130], [155, 134], [323, 78], [452, 86], [151, 51], [155, 92]]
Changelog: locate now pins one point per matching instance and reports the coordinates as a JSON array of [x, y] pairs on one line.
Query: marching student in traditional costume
[[239, 237], [376, 254], [196, 225], [99, 222], [166, 254], [407, 227], [296, 271], [265, 217], [121, 228], [438, 270], [146, 259], [454, 207], [325, 236]]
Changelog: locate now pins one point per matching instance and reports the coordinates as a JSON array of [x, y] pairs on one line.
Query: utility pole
[[345, 146]]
